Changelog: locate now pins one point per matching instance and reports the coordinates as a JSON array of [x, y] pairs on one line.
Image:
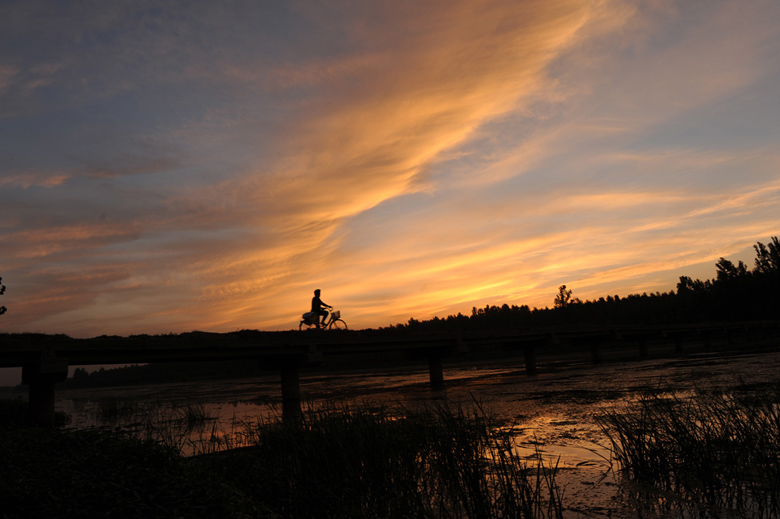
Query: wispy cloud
[[171, 167]]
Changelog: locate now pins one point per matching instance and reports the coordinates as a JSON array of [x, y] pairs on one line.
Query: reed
[[437, 462], [375, 462], [717, 448], [113, 410], [175, 425]]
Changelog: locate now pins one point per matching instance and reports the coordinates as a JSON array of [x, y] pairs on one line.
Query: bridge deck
[[45, 358]]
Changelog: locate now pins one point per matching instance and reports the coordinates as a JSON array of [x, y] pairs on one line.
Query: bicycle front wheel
[[338, 324]]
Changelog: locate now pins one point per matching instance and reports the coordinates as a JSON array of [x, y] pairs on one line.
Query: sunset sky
[[168, 166]]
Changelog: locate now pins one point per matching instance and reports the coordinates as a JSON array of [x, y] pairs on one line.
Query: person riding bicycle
[[317, 307]]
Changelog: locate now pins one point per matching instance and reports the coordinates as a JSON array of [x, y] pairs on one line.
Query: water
[[553, 412]]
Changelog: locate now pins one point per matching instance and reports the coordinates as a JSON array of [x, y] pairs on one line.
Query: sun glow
[[410, 159]]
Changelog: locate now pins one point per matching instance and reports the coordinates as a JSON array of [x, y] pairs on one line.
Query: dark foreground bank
[[704, 451], [337, 463]]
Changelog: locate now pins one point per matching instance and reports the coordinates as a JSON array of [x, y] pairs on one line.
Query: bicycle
[[312, 319]]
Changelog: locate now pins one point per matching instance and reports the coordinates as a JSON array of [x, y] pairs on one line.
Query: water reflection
[[552, 413]]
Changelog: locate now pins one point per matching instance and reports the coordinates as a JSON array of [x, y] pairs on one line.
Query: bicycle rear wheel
[[338, 324]]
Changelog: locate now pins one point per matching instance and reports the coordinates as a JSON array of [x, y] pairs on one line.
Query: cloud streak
[[169, 168]]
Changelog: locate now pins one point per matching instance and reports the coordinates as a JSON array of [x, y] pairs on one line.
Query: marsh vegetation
[[338, 462], [710, 453], [670, 438]]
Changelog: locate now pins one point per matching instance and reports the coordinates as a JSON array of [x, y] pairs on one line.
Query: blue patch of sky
[[743, 120]]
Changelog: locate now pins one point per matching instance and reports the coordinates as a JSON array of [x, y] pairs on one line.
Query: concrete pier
[[642, 343], [41, 376], [529, 355], [595, 351], [291, 393], [435, 371]]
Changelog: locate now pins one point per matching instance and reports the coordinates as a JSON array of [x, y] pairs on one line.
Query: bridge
[[45, 358]]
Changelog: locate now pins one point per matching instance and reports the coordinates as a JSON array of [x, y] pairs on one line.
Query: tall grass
[[338, 462], [179, 425], [115, 410], [715, 451], [363, 462]]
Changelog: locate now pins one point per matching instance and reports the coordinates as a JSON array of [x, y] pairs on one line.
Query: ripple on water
[[552, 413]]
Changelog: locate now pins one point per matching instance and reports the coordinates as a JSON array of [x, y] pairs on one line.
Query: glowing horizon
[[171, 166]]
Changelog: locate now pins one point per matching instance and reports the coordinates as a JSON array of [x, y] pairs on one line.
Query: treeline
[[161, 372], [2, 291], [737, 293]]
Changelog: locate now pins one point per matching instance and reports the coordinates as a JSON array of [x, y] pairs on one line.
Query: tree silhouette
[[2, 291], [768, 258], [564, 299], [737, 293], [728, 271]]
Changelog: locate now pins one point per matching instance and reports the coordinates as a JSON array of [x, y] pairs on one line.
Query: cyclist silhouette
[[317, 307]]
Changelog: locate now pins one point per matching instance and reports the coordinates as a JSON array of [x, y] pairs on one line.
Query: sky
[[169, 166]]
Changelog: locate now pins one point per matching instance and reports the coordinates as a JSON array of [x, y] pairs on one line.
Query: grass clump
[[174, 425], [441, 462], [716, 451], [337, 462], [114, 410]]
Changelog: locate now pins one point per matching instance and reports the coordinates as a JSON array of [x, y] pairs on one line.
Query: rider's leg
[[324, 314]]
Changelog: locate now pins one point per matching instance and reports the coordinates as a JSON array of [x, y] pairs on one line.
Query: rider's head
[[317, 292]]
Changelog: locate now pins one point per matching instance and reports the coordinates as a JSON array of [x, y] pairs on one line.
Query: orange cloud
[[433, 158], [78, 237], [28, 179]]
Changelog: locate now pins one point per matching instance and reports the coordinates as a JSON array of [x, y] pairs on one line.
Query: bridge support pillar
[[529, 354], [595, 352], [642, 343], [435, 371], [41, 376], [707, 340], [291, 394], [730, 338]]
